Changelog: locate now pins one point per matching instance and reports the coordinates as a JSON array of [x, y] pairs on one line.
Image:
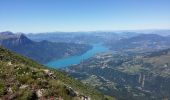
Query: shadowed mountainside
[[43, 51]]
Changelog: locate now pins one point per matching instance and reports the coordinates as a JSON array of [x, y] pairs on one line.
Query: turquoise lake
[[64, 62]]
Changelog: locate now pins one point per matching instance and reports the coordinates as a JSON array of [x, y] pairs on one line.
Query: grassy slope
[[26, 72]]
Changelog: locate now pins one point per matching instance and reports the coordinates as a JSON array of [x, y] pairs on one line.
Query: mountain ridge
[[140, 43], [23, 45]]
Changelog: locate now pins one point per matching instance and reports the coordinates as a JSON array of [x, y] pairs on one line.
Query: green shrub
[[26, 95], [2, 88]]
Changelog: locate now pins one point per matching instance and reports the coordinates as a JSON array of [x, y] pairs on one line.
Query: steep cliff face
[[12, 40]]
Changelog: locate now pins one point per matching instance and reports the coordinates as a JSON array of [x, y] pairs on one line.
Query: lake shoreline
[[72, 60]]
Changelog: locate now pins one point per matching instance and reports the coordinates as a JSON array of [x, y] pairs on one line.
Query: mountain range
[[80, 37], [135, 68], [42, 51], [140, 43]]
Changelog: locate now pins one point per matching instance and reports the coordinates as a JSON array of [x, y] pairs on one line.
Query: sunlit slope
[[22, 78]]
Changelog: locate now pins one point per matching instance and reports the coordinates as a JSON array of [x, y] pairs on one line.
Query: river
[[64, 62]]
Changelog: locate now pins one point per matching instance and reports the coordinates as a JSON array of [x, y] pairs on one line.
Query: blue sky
[[83, 15]]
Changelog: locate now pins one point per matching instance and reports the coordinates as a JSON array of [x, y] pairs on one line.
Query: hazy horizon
[[116, 31]]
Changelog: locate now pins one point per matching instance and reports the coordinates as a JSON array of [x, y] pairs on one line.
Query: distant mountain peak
[[6, 33], [143, 37], [22, 39], [21, 35], [8, 38]]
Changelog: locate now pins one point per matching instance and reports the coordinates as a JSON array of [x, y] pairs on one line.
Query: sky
[[83, 15]]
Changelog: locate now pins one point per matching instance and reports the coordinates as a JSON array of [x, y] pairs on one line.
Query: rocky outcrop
[[141, 80]]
